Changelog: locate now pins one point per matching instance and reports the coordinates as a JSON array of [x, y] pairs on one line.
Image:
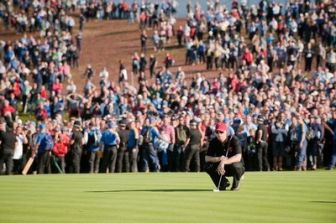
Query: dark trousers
[[7, 158], [150, 158], [192, 153], [133, 154], [75, 161], [123, 160], [44, 162], [178, 158], [59, 163], [262, 154], [170, 152], [17, 166], [109, 158], [235, 170]]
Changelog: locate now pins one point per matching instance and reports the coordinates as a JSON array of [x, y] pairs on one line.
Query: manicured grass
[[168, 197]]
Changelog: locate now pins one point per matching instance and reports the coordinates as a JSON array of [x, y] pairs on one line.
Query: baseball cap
[[260, 118], [221, 127], [41, 126], [122, 123]]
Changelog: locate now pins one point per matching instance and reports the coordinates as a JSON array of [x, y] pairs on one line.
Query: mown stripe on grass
[[264, 197]]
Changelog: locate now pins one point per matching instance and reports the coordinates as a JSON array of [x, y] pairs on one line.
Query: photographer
[[280, 134]]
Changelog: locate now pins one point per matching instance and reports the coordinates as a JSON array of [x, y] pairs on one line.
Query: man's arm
[[214, 159], [259, 135], [234, 159]]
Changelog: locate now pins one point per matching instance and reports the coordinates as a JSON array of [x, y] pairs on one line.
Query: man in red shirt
[[60, 148]]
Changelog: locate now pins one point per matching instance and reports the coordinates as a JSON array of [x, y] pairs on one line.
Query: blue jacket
[[109, 138], [44, 142]]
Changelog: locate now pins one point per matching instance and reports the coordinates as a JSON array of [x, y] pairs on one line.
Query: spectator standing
[[110, 141], [301, 154], [43, 144], [93, 136], [60, 149], [192, 151], [18, 152], [152, 65], [123, 163], [182, 136], [167, 132], [279, 143], [8, 143], [132, 145], [143, 41], [149, 134], [262, 145], [314, 134], [76, 149]]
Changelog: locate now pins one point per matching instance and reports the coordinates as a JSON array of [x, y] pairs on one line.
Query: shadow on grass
[[324, 202], [151, 190]]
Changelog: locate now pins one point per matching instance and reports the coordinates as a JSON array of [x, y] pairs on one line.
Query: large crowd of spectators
[[284, 116]]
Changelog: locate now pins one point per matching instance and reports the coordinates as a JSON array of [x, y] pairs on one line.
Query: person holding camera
[[279, 143]]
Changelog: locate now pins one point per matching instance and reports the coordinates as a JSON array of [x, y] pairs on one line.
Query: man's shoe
[[235, 185], [224, 185]]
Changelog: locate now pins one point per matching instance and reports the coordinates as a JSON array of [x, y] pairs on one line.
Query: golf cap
[[260, 118], [76, 126], [221, 126], [122, 123], [41, 126], [193, 121]]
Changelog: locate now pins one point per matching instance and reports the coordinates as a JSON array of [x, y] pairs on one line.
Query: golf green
[[168, 197]]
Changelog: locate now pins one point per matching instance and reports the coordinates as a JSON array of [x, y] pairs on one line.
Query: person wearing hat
[[148, 135], [93, 136], [224, 156], [123, 155], [76, 148], [192, 151], [43, 144], [182, 135], [262, 145]]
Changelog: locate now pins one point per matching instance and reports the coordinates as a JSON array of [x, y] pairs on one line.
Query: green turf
[[168, 197]]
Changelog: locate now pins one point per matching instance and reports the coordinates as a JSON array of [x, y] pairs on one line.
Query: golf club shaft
[[220, 179]]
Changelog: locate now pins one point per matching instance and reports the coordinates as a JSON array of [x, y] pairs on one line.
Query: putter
[[220, 179], [217, 189]]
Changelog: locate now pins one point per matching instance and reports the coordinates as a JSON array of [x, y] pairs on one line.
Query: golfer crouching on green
[[224, 158]]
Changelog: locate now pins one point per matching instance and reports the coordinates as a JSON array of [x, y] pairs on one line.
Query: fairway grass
[[168, 197]]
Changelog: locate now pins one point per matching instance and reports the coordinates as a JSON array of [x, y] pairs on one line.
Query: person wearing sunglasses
[[224, 157]]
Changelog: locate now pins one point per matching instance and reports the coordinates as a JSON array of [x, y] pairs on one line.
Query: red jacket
[[60, 148]]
